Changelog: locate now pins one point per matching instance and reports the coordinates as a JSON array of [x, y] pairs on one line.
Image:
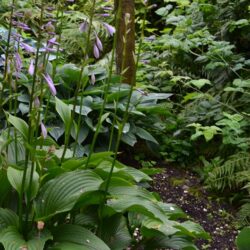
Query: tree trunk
[[125, 50]]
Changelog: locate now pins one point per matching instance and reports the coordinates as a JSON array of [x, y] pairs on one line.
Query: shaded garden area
[[124, 124]]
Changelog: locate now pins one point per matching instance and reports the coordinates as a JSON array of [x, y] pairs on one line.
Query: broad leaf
[[7, 218], [61, 194], [15, 177], [115, 232], [20, 125], [142, 133], [13, 240], [64, 111], [200, 83], [82, 237], [243, 239]]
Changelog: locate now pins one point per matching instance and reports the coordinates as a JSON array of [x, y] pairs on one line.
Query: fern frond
[[243, 216], [232, 174]]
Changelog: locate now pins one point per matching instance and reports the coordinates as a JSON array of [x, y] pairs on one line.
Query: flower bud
[[40, 225]]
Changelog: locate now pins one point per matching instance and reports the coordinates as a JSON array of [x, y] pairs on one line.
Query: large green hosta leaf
[[125, 197], [13, 240], [74, 237], [243, 239], [61, 194], [175, 242], [115, 232], [7, 218], [64, 111], [20, 125], [121, 170], [15, 177]]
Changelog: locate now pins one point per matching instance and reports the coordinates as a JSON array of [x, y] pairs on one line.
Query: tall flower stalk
[[125, 117], [24, 227], [79, 86]]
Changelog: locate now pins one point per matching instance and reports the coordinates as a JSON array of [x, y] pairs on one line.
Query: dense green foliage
[[65, 116]]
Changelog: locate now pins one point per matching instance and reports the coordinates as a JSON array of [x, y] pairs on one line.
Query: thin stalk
[[23, 228], [106, 88], [78, 87], [120, 131], [7, 53]]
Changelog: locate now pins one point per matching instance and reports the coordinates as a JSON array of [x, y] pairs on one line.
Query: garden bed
[[183, 189]]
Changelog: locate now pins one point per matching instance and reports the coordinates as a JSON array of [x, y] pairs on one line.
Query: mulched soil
[[183, 188]]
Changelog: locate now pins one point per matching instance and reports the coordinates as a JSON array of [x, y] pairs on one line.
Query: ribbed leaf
[[15, 177], [64, 111], [142, 133], [13, 240], [121, 170], [175, 242], [115, 232], [82, 237], [193, 230], [7, 218], [137, 204], [19, 124], [60, 194]]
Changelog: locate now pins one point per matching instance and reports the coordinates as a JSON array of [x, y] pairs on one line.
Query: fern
[[232, 174], [243, 216]]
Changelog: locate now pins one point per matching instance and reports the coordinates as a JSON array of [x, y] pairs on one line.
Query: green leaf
[[81, 237], [7, 218], [129, 138], [70, 74], [61, 194], [20, 125], [193, 230], [175, 242], [13, 240], [243, 239], [200, 83], [115, 232], [64, 111], [15, 177], [5, 186], [142, 133]]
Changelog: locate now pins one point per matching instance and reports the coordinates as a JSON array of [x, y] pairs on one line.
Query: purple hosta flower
[[84, 27], [142, 92], [28, 48], [31, 69], [18, 62], [109, 28], [98, 43], [43, 131], [49, 27], [52, 41], [92, 79], [36, 102], [18, 14], [107, 8], [50, 83], [105, 14], [21, 25], [96, 52]]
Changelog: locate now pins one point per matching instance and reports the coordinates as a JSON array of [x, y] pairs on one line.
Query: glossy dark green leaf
[[61, 193], [82, 237]]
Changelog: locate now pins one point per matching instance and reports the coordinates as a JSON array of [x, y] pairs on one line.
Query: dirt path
[[183, 188]]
